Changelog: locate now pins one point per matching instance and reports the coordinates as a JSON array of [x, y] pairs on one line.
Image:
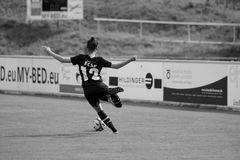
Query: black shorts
[[96, 91]]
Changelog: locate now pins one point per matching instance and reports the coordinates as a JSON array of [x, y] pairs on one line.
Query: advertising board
[[204, 83], [54, 9], [216, 83], [140, 80], [27, 74]]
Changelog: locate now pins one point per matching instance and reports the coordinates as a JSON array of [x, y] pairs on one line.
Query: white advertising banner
[[54, 9], [197, 82], [70, 79], [140, 80], [29, 74], [234, 85], [216, 83]]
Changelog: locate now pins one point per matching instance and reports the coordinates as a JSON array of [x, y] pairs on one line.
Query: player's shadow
[[86, 133]]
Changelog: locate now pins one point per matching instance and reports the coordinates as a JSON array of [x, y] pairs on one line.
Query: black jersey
[[90, 68]]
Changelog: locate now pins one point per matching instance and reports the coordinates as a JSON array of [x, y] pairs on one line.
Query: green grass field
[[50, 128]]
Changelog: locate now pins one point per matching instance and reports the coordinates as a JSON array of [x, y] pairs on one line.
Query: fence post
[[234, 34], [98, 27], [189, 32], [140, 30], [80, 26]]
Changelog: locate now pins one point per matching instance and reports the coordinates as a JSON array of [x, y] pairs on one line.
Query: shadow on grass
[[86, 133], [22, 35]]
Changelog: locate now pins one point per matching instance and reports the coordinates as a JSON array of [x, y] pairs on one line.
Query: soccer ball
[[98, 124]]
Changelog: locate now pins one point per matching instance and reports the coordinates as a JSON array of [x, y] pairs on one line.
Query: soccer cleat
[[116, 100], [115, 90], [116, 132], [114, 97]]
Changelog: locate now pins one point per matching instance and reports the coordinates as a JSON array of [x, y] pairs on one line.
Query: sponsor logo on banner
[[70, 81], [29, 74], [33, 75], [179, 76], [195, 84], [215, 93], [140, 82]]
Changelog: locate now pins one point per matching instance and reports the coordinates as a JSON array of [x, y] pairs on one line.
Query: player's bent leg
[[105, 118], [97, 107], [115, 100]]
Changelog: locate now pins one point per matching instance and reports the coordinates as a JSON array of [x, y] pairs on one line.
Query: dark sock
[[104, 117]]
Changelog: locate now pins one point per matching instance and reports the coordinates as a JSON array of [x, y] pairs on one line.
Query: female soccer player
[[90, 67]]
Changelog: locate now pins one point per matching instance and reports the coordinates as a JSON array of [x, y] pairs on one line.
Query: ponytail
[[92, 44]]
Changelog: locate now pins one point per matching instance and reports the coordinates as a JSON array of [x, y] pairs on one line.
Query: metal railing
[[187, 24]]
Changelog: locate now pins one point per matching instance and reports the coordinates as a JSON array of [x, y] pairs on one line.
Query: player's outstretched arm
[[56, 56], [120, 65]]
